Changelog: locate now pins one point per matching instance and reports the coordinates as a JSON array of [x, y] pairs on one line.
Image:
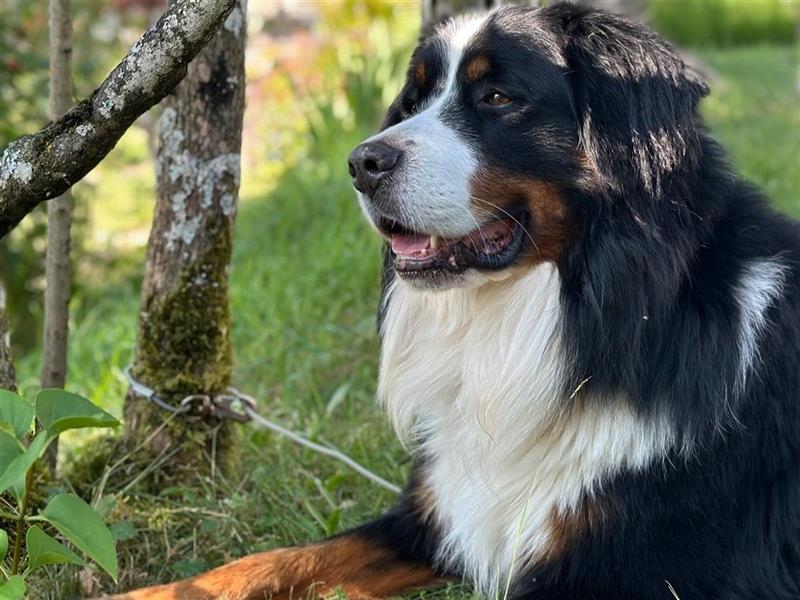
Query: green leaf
[[45, 550], [13, 589], [78, 522], [10, 448], [20, 465], [16, 412], [3, 544], [59, 411]]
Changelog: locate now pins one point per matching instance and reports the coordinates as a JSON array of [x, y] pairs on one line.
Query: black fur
[[664, 231]]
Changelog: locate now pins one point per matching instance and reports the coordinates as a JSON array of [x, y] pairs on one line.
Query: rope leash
[[238, 406]]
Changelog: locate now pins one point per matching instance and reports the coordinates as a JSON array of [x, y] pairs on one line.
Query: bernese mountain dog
[[590, 334]]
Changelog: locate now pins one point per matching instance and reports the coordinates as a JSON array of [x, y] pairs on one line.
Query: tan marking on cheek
[[494, 191], [420, 74], [362, 569], [568, 528], [477, 68]]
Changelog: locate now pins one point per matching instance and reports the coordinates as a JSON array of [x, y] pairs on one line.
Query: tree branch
[[45, 164]]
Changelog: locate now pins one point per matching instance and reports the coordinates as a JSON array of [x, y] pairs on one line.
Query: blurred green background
[[306, 268]]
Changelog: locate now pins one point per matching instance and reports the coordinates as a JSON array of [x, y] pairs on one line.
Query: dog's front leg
[[383, 558], [360, 569]]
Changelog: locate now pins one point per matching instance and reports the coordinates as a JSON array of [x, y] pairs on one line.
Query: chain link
[[232, 405]]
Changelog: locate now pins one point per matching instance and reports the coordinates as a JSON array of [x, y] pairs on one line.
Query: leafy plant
[[23, 441]]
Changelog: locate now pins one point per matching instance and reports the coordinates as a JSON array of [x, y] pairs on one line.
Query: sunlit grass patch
[[754, 111]]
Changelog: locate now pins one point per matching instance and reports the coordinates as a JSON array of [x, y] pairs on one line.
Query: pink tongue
[[410, 243]]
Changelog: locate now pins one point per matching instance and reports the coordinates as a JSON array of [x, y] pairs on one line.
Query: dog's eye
[[495, 98]]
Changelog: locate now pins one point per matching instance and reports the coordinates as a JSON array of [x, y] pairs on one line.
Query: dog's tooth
[[434, 242]]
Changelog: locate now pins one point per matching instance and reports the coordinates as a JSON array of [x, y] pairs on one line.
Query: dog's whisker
[[478, 227], [512, 217]]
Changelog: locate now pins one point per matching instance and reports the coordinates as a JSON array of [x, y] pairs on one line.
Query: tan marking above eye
[[477, 68]]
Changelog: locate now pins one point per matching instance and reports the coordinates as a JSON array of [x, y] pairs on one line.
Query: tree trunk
[[183, 344], [7, 375], [59, 218]]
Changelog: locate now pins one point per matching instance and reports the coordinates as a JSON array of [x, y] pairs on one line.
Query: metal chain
[[230, 405], [238, 406]]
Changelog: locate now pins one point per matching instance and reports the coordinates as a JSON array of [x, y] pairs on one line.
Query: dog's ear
[[635, 99]]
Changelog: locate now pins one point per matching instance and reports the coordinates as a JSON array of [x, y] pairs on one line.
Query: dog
[[590, 334]]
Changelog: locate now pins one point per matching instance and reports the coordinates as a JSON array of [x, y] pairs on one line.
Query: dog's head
[[507, 122]]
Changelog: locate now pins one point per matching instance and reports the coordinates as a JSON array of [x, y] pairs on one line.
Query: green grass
[[755, 112], [304, 294]]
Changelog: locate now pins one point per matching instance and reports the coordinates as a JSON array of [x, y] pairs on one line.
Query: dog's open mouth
[[492, 246]]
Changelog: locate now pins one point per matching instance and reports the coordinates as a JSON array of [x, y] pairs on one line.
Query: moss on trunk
[[183, 342]]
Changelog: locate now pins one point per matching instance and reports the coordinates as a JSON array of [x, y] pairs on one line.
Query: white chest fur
[[475, 375]]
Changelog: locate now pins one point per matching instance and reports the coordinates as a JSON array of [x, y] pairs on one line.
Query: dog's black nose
[[369, 163]]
